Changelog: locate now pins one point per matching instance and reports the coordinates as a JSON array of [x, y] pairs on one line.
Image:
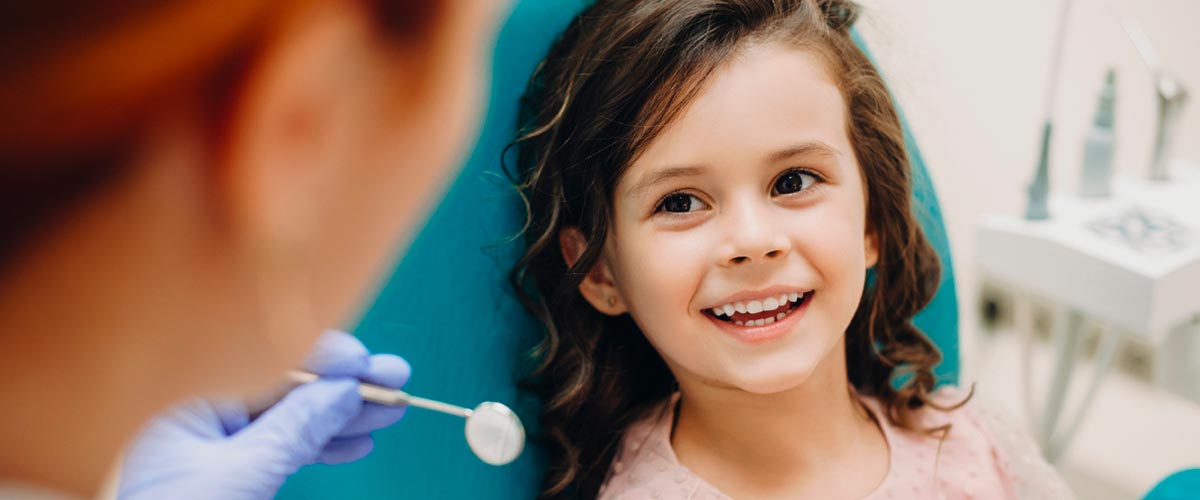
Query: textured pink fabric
[[973, 461]]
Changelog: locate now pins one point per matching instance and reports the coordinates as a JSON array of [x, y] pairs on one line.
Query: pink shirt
[[981, 458]]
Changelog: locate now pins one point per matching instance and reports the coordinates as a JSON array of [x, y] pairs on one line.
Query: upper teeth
[[756, 306]]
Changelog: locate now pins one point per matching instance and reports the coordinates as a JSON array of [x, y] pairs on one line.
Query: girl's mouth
[[760, 312]]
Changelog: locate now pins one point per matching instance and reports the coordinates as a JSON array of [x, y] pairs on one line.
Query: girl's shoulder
[[970, 449]]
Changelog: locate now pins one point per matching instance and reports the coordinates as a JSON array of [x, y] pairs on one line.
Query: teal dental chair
[[448, 309], [1182, 485]]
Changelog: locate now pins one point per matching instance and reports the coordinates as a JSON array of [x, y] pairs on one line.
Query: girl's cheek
[[661, 269], [683, 254]]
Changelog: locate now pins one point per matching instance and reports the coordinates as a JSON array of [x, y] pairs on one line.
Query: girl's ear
[[870, 243], [598, 287]]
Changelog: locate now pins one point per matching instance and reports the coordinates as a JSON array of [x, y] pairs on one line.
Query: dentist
[[190, 192]]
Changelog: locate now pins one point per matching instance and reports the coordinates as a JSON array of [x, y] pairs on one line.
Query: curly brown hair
[[621, 71]]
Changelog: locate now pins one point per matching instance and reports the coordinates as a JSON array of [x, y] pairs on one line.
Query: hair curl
[[621, 71]]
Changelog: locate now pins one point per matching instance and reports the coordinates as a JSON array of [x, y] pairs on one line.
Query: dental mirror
[[494, 432]]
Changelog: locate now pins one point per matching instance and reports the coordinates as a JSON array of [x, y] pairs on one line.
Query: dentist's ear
[[598, 287]]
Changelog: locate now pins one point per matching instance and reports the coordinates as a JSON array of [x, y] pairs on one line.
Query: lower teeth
[[761, 321]]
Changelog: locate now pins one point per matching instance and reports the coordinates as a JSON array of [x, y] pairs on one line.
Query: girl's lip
[[759, 334]]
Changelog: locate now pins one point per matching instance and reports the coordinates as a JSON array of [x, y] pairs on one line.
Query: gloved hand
[[207, 450]]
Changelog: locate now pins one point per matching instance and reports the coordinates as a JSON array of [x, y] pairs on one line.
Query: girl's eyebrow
[[655, 177], [814, 148]]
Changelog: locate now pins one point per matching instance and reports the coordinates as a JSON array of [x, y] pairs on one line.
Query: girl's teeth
[[755, 307]]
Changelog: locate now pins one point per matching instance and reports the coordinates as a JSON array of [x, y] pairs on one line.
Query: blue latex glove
[[207, 450]]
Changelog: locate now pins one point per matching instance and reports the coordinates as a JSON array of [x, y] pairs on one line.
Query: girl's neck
[[785, 443]]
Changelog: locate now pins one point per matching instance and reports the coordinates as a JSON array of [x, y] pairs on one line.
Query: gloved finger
[[233, 415], [340, 451], [338, 353], [372, 418], [387, 370], [295, 430]]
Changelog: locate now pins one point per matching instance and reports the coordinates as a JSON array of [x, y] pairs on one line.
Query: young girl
[[708, 183]]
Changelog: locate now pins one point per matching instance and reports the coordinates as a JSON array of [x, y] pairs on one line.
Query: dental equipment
[[493, 431], [1099, 144], [1039, 190], [1170, 92]]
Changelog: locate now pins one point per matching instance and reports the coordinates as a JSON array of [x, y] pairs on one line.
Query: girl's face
[[752, 203]]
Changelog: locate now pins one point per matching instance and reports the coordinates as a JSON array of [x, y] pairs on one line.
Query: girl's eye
[[680, 203], [793, 181]]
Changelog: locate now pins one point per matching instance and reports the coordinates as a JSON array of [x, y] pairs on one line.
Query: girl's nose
[[753, 237]]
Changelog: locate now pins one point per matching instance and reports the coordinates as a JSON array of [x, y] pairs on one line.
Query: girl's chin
[[766, 382]]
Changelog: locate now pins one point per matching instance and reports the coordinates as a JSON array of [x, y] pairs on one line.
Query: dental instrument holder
[[1171, 97], [1129, 263]]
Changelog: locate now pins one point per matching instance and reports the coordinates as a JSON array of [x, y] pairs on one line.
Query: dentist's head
[[190, 191]]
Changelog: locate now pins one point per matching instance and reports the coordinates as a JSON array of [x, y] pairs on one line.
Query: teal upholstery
[[448, 310], [1182, 485], [939, 319]]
